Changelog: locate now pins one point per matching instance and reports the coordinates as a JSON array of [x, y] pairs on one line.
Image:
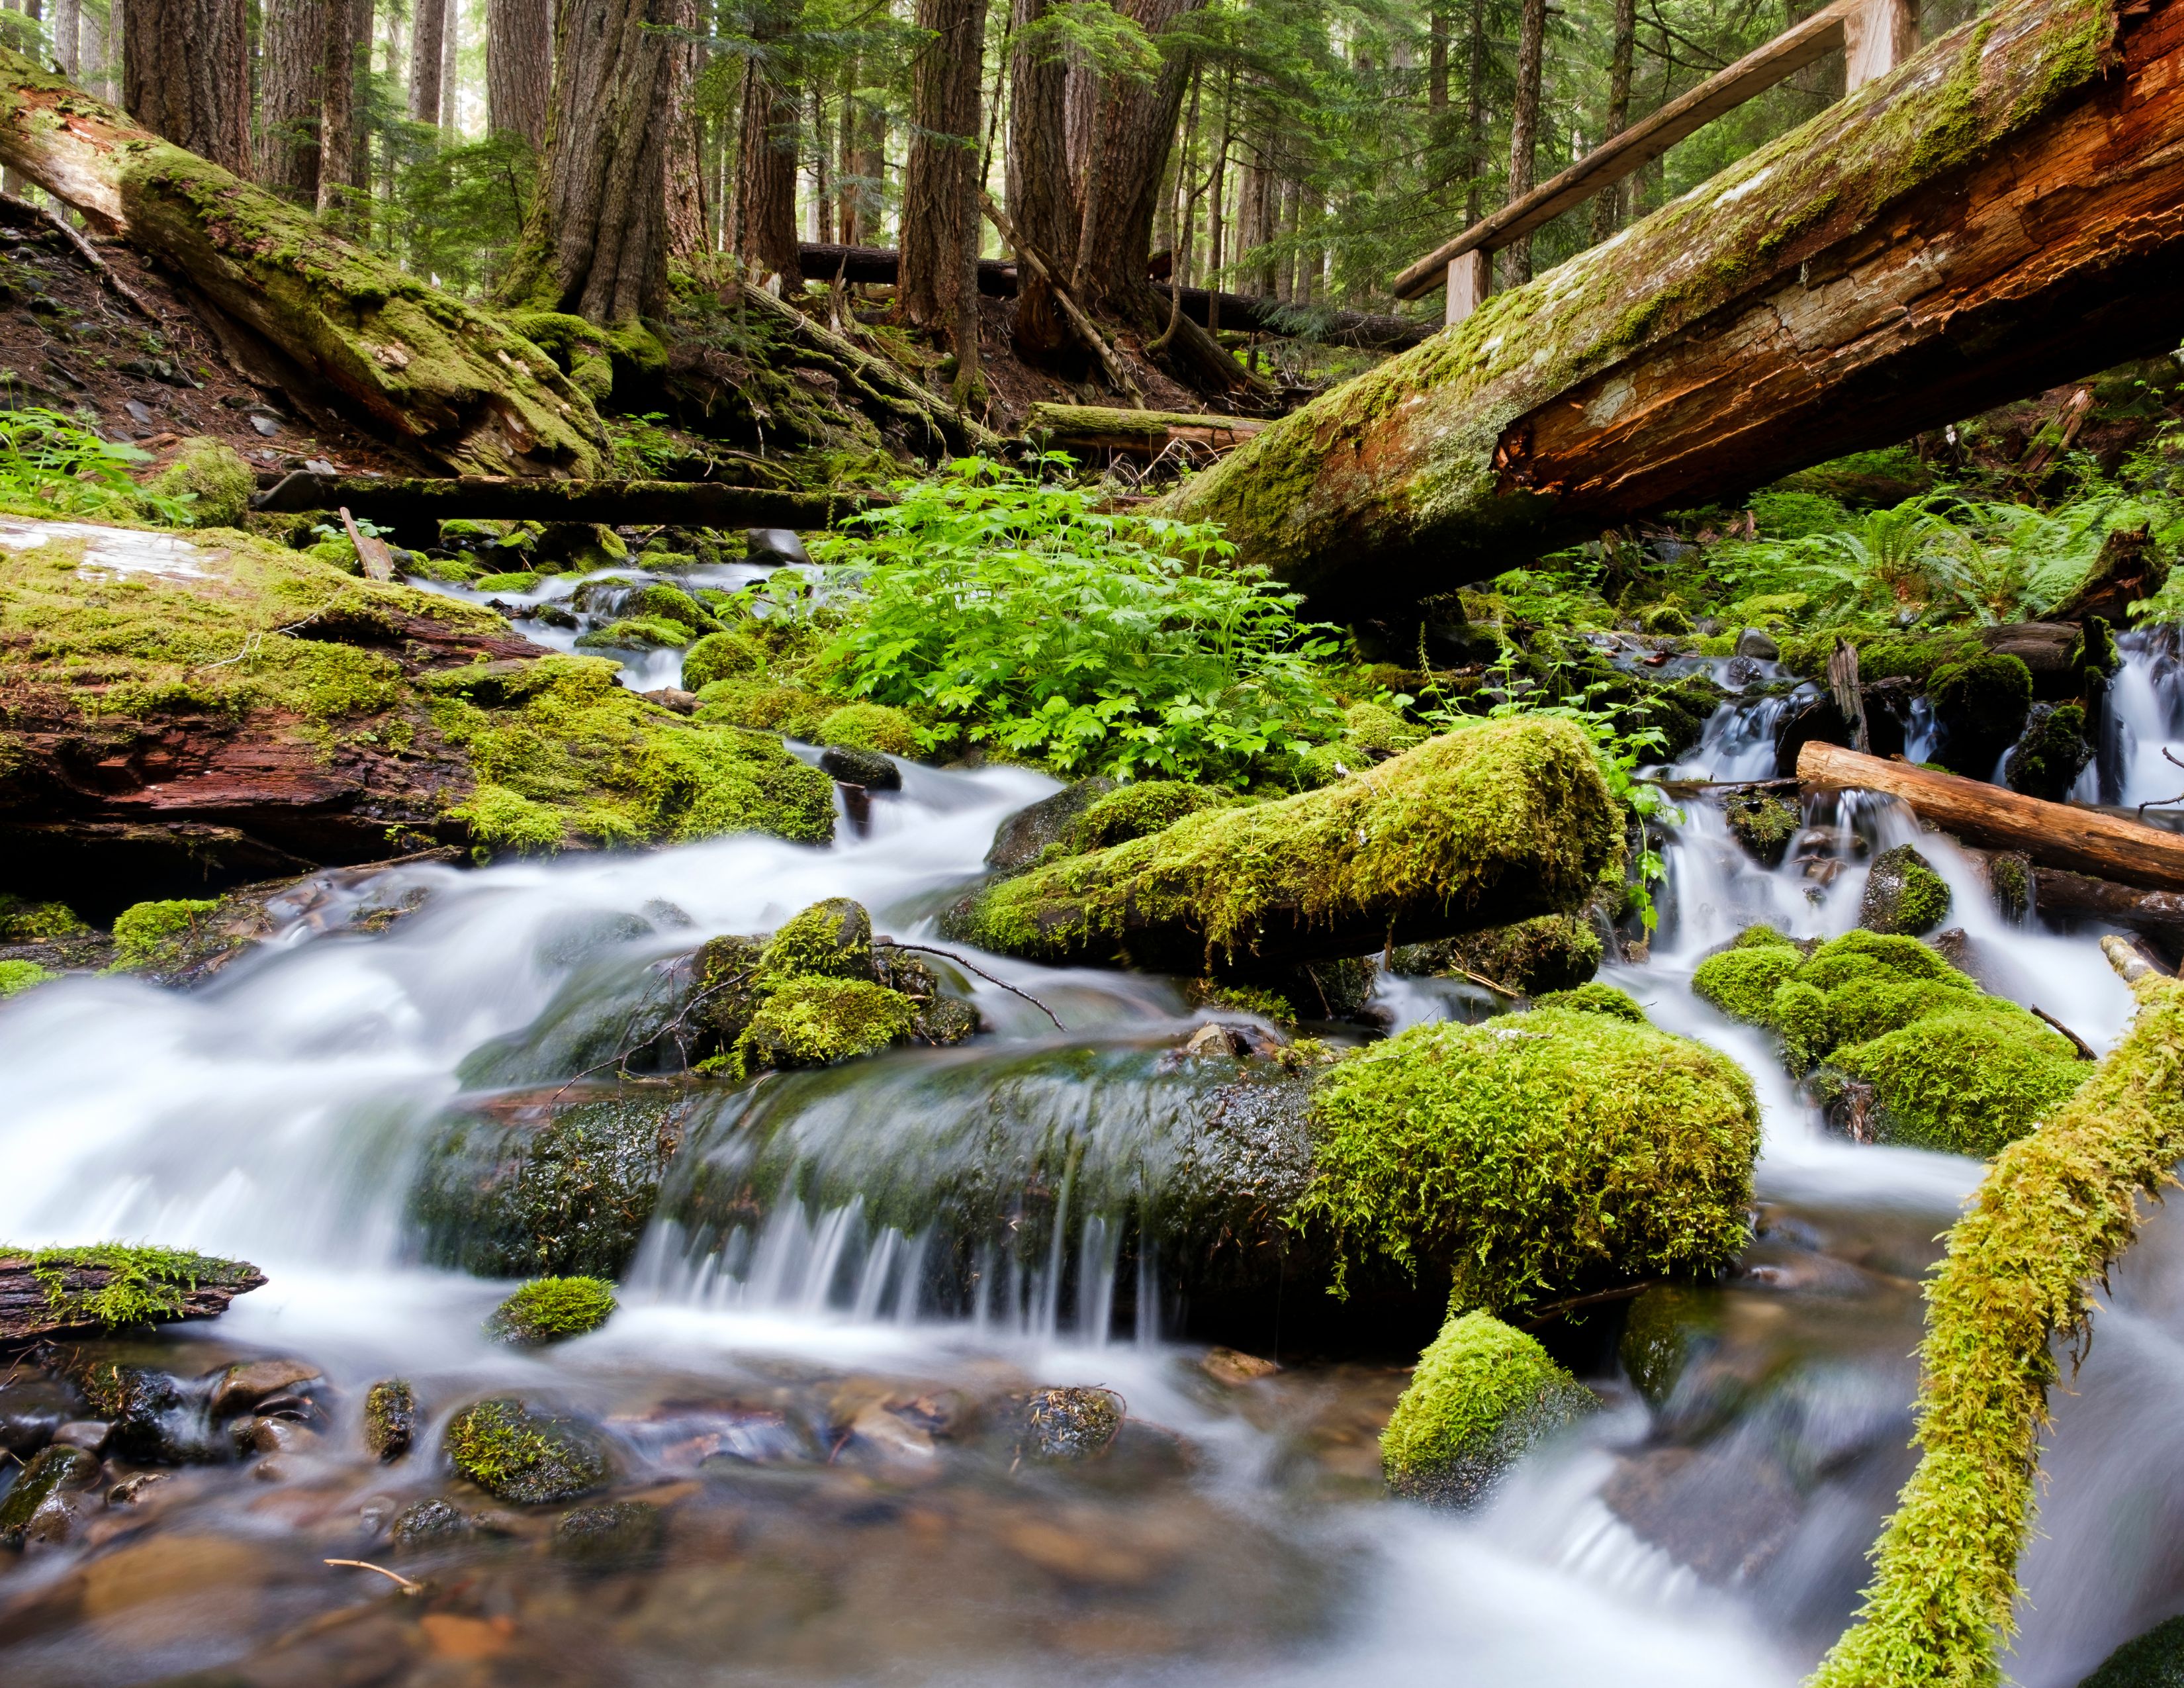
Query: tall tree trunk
[[686, 138], [1216, 206], [97, 73], [1474, 115], [845, 161], [428, 44], [519, 68], [186, 75], [336, 106], [765, 163], [1437, 62], [1608, 208], [1524, 132], [1040, 198], [595, 242], [937, 228], [68, 28], [451, 89], [292, 60], [822, 150]]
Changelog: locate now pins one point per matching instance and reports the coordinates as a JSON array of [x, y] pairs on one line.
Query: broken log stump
[[111, 1287], [1141, 433], [2060, 835]]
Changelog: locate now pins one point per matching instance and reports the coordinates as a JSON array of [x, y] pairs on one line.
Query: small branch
[[89, 253], [973, 967], [1094, 340], [2085, 1049], [406, 1585], [1549, 1314]]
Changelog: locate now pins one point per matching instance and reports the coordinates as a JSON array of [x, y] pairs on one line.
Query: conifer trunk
[[1040, 201], [1524, 132], [428, 43], [292, 57], [939, 227], [68, 28], [186, 75], [766, 163], [1608, 208], [336, 102], [686, 140], [519, 68]]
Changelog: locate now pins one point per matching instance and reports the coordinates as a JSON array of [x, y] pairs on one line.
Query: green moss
[[576, 346], [1503, 816], [523, 580], [1597, 997], [661, 602], [16, 976], [722, 656], [1903, 893], [1666, 618], [149, 934], [1533, 1154], [1785, 514], [767, 704], [636, 633], [1482, 1395], [2015, 1290], [1138, 810], [1763, 823], [390, 1418], [1552, 952], [46, 1473], [2054, 752], [870, 727], [818, 1021], [142, 1285], [547, 1310], [515, 1454], [1742, 982], [1981, 703], [214, 477], [831, 940], [22, 923], [2152, 1660]]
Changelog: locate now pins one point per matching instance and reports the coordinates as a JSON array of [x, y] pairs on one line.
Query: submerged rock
[[41, 1505], [516, 1454], [430, 1524], [616, 1532], [1070, 1424], [1483, 1394], [1903, 893], [870, 769]]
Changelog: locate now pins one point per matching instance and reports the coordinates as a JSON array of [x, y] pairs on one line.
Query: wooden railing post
[[1877, 37], [1470, 279]]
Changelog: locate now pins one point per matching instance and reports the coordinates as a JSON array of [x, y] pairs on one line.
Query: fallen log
[[2058, 891], [2060, 835], [113, 1287], [1142, 433], [1470, 830], [405, 504], [2000, 213], [449, 381]]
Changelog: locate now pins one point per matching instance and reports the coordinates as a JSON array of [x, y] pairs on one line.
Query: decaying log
[[61, 1291], [2058, 891], [1143, 433], [2062, 835], [408, 506], [2003, 212], [2128, 569], [1117, 373], [448, 380]]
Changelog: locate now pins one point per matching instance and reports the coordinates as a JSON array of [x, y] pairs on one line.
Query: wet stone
[[1021, 839], [40, 1506], [1904, 894], [1763, 823], [246, 1386], [91, 1434], [31, 1409], [390, 1418], [868, 768], [430, 1524], [1070, 1424], [1757, 645], [531, 1458], [613, 1534]]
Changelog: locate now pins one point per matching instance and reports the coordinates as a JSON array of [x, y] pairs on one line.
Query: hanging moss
[[548, 1310], [2015, 1288], [1482, 1396]]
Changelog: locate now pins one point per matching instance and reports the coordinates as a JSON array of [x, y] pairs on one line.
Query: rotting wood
[[2058, 891], [1144, 433], [2062, 835], [372, 551], [1794, 308], [407, 505], [29, 1307]]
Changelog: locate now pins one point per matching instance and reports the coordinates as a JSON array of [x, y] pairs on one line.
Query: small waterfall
[[2143, 715]]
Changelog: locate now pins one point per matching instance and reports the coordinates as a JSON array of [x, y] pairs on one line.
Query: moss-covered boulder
[[869, 727], [390, 1418], [550, 1309], [1532, 1154], [1762, 822], [2046, 762], [1552, 952], [819, 1021], [2152, 1660], [1482, 1396], [831, 940], [1138, 810], [1596, 998], [1901, 1046], [214, 479], [1024, 837], [1981, 703], [37, 1505], [1476, 828], [728, 655], [637, 632], [514, 1453], [1903, 893]]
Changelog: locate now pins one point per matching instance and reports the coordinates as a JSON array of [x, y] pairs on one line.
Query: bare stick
[[2085, 1049], [1094, 341], [407, 1586], [973, 967], [1554, 1310]]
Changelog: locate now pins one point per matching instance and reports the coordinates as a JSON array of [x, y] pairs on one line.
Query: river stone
[[244, 1384], [390, 1418], [868, 768], [1023, 836], [773, 546], [531, 1458], [39, 1507], [613, 1533], [31, 1408], [1904, 894], [2152, 1660], [1070, 1424], [1754, 644], [429, 1523], [1762, 822]]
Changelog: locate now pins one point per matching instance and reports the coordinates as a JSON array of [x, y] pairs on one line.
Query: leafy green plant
[[52, 463], [1090, 641]]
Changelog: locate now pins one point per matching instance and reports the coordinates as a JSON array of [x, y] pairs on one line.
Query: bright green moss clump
[[213, 475], [515, 1454], [1533, 1154], [721, 656], [2014, 1290], [148, 934], [16, 977], [869, 727], [817, 1021], [22, 923], [1482, 1395], [1138, 810], [1596, 998], [549, 1309], [1899, 1037]]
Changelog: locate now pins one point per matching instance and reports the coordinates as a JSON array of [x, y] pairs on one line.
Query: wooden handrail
[[1818, 36]]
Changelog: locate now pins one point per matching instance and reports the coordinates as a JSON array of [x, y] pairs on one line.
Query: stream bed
[[827, 1438]]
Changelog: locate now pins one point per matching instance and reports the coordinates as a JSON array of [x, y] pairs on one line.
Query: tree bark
[[765, 164], [436, 375], [1792, 312], [1608, 208], [1516, 266], [938, 229], [360, 77], [428, 52], [186, 75], [451, 92], [1037, 181], [67, 30], [685, 139], [595, 242], [292, 60], [1474, 115], [336, 107], [1437, 62], [519, 68]]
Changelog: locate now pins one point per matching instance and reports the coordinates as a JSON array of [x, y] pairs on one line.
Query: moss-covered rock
[[528, 1458], [637, 632], [1482, 1396], [430, 1524], [390, 1418], [1073, 1423], [1596, 998], [1762, 822], [34, 1506], [1981, 703], [1139, 810], [728, 655], [28, 922], [819, 1021], [2054, 752], [550, 1309], [660, 601], [617, 1533], [1024, 838], [16, 976], [831, 940], [2152, 1660], [1907, 1048], [157, 934], [213, 475], [1532, 1154], [1903, 893], [1664, 1328], [869, 727], [1479, 827], [1552, 952]]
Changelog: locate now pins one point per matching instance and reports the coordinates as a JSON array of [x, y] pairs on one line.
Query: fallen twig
[[2085, 1049], [973, 967], [407, 1586], [1548, 1315], [89, 253]]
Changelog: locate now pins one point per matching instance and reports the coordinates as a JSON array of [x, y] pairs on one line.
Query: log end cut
[[113, 1286]]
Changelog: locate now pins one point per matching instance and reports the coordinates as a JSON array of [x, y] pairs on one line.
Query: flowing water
[[835, 1249]]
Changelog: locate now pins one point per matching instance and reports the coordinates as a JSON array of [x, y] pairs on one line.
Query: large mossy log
[[449, 381], [111, 1287], [2003, 211], [1480, 827]]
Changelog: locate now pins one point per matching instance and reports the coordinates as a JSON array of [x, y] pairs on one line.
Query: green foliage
[[1482, 1395], [1532, 1154], [51, 464], [549, 1309], [458, 211], [149, 934], [22, 923], [1090, 642], [2015, 1288]]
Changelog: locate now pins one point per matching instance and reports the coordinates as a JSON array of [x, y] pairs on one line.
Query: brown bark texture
[[939, 225], [292, 55], [67, 30], [519, 68], [428, 53], [432, 374], [185, 74], [2002, 213], [1608, 208], [2060, 835], [1516, 258], [596, 241], [765, 163], [686, 140], [1038, 181], [28, 1310], [337, 137]]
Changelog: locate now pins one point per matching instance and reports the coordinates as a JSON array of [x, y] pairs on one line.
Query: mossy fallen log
[[449, 381], [1144, 433], [2015, 1283], [112, 1286], [1480, 827], [1787, 311]]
